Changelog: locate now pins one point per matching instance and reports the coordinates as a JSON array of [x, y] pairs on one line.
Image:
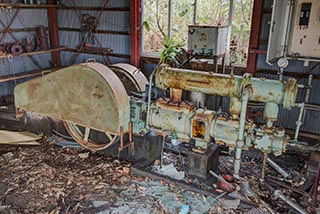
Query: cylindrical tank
[[262, 90]]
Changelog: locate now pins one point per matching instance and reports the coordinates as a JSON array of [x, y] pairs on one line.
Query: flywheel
[[89, 98]]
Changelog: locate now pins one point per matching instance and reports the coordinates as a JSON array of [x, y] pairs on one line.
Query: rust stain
[[198, 82], [184, 106], [32, 88], [98, 96]]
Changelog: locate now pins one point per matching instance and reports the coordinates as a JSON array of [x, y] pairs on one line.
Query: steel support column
[[255, 35], [53, 32], [135, 27]]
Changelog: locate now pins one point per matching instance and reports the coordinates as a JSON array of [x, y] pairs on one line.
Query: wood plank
[[125, 56], [97, 31], [28, 74], [9, 137], [25, 143], [61, 7], [37, 52]]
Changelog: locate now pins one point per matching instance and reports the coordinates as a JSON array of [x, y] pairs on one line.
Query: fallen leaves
[[52, 179]]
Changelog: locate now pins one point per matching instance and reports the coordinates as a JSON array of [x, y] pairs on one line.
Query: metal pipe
[[278, 194], [240, 143], [299, 122], [264, 165], [231, 10], [142, 9], [195, 12], [149, 96], [263, 90], [281, 75], [306, 100], [170, 19], [121, 138], [130, 131], [315, 190], [278, 168]]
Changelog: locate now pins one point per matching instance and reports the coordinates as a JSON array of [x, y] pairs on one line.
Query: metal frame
[[256, 25], [54, 33], [135, 32]]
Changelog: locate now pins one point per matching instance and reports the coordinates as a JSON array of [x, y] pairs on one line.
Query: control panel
[[294, 30]]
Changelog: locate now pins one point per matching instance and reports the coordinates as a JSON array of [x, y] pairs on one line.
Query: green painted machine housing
[[88, 94], [178, 120]]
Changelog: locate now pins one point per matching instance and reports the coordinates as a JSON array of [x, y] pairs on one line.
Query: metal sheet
[[88, 94]]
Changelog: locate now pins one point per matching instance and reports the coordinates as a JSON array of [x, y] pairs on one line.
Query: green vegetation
[[170, 53], [210, 12]]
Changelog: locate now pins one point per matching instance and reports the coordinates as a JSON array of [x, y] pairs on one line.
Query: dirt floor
[[52, 179]]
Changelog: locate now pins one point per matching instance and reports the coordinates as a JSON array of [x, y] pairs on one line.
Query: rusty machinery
[[91, 96]]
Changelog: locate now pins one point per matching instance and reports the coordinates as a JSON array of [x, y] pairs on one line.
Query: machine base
[[147, 149], [199, 164]]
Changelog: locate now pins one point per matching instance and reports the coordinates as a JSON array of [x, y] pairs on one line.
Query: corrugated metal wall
[[117, 21], [26, 18], [30, 18]]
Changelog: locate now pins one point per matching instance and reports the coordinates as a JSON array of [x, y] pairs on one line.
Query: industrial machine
[[92, 97]]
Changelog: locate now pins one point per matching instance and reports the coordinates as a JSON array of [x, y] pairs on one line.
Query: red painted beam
[[135, 37], [255, 36], [257, 51], [54, 32]]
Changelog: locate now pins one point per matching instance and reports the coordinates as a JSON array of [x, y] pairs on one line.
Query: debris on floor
[[54, 179], [170, 171]]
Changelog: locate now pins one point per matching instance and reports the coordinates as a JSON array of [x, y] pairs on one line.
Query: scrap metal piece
[[16, 49], [278, 194], [278, 168]]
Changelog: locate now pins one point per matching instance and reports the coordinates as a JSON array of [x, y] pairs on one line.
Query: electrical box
[[207, 40], [295, 30]]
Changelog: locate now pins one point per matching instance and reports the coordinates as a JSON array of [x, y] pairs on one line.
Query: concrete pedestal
[[199, 164]]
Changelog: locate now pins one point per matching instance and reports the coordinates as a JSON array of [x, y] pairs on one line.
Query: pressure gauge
[[283, 63]]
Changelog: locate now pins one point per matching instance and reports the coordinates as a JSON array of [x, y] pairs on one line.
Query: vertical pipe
[[170, 19], [142, 27], [121, 138], [299, 121], [130, 131], [195, 12], [54, 32], [231, 11], [239, 143], [149, 96], [306, 100], [121, 142], [315, 190], [264, 165], [281, 75]]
